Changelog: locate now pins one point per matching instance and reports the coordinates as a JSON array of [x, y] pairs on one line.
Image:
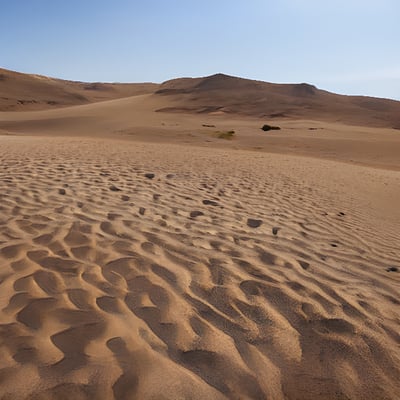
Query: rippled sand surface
[[159, 271]]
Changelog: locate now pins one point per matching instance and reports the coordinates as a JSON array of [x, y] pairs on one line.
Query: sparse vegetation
[[227, 135], [267, 127]]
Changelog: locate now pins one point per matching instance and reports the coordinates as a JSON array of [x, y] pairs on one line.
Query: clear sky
[[345, 46]]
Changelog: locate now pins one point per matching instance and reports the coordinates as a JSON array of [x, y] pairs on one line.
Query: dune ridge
[[224, 94], [218, 94], [147, 270]]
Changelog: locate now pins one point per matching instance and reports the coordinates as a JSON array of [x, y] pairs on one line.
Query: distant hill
[[216, 94], [231, 95], [20, 92]]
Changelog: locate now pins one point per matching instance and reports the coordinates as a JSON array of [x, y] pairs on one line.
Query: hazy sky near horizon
[[345, 46]]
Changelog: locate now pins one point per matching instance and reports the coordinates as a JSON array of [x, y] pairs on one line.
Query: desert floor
[[144, 262]]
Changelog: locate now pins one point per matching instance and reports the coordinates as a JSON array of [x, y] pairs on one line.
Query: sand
[[144, 257], [118, 284], [22, 92]]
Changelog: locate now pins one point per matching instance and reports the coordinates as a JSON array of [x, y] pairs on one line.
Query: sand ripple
[[117, 285]]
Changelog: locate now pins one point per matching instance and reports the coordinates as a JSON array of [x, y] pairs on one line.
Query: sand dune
[[231, 95], [136, 118], [119, 284], [36, 92], [145, 253], [217, 94]]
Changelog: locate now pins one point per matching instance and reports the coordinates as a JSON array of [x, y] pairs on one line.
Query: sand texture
[[134, 270], [155, 243]]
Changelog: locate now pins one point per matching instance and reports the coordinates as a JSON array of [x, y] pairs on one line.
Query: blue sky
[[345, 46]]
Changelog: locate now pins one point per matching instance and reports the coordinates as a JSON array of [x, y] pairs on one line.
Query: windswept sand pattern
[[135, 271]]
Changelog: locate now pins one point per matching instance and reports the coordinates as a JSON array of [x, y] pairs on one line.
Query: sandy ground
[[144, 257], [229, 274], [136, 118]]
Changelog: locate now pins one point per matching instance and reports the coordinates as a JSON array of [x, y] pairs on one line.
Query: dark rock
[[149, 175], [125, 197], [195, 214], [170, 176], [156, 196], [392, 269], [267, 127], [142, 210], [254, 223], [61, 191], [113, 188]]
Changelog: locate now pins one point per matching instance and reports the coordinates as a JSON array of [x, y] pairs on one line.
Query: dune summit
[[146, 255], [262, 99]]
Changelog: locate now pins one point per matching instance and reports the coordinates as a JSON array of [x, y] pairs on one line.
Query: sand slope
[[224, 94], [227, 274], [144, 257], [36, 92], [136, 118], [217, 94]]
